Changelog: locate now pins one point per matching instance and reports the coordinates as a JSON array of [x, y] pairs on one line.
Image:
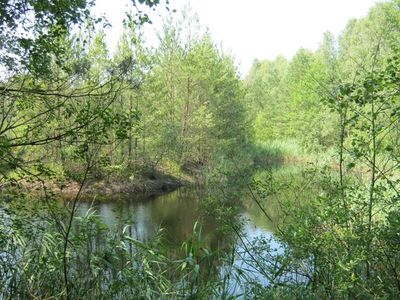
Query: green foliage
[[191, 95], [338, 239], [286, 98], [33, 32]]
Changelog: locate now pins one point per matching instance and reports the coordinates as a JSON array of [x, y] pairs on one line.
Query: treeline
[[189, 102], [177, 106], [288, 97]]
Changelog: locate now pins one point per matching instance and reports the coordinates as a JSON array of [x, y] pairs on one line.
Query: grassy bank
[[288, 151]]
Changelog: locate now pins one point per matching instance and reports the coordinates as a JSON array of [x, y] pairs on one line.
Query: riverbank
[[115, 184], [155, 185]]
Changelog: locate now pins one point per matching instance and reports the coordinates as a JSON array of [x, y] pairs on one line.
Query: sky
[[252, 29]]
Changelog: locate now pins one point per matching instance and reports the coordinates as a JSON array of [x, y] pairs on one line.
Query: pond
[[176, 213]]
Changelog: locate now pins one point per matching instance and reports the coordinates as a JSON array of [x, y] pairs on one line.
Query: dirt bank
[[105, 188]]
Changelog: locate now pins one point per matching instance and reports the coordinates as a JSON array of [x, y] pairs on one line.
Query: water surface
[[176, 214]]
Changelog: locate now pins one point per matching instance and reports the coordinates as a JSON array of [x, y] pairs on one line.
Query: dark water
[[176, 214]]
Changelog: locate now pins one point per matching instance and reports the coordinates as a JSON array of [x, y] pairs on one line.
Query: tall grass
[[274, 153]]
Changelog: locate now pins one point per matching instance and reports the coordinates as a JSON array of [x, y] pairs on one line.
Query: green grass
[[289, 151]]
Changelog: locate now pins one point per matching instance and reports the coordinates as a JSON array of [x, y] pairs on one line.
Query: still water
[[176, 214]]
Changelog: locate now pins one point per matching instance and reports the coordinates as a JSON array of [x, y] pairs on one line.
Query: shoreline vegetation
[[146, 181], [113, 186]]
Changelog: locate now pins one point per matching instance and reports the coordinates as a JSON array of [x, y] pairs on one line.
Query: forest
[[161, 172]]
